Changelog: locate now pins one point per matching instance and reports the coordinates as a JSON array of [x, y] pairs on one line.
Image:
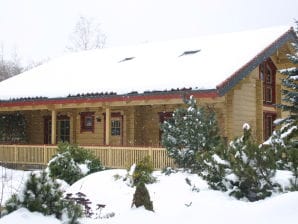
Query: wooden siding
[[242, 106], [35, 126], [95, 137]]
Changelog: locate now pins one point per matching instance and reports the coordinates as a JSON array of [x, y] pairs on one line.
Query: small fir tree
[[251, 168], [215, 166], [141, 197], [143, 172], [143, 175], [191, 131], [43, 194]]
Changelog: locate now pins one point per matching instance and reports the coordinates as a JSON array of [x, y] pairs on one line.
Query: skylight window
[[189, 52], [127, 59]]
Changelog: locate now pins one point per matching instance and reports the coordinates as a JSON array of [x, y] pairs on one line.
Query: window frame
[[48, 129], [267, 73], [116, 130], [85, 116], [268, 124]]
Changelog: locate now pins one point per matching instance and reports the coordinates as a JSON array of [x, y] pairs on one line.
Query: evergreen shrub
[[43, 194], [72, 163], [143, 175], [190, 132]]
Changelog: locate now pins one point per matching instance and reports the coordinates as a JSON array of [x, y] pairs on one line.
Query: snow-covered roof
[[199, 63]]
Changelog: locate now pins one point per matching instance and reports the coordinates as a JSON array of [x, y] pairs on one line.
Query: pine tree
[[43, 194], [290, 98], [215, 166], [287, 136], [251, 168], [190, 132]]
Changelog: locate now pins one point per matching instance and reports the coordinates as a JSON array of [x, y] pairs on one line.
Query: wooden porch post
[[54, 119], [108, 125]]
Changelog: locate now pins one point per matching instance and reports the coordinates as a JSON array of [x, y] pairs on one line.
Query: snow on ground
[[174, 201], [11, 181]]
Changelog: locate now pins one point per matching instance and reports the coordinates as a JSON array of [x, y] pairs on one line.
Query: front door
[[63, 129], [116, 130]]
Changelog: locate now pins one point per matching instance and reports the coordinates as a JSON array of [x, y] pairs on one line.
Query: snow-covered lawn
[[174, 201]]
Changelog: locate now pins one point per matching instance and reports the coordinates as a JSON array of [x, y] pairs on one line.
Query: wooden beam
[[74, 126], [54, 121], [108, 125]]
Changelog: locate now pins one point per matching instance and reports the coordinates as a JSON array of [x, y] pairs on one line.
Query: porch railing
[[110, 156]]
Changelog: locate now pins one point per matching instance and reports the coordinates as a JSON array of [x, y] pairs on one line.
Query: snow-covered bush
[[190, 132], [72, 163], [242, 168], [286, 154], [43, 194], [141, 197], [215, 165], [251, 168], [143, 172], [142, 175]]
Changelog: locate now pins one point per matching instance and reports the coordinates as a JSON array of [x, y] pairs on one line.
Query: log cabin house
[[119, 96]]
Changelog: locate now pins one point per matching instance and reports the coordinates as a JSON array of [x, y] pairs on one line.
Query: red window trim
[[264, 68], [84, 127], [267, 133]]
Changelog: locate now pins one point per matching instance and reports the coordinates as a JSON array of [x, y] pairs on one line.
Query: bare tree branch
[[9, 67], [87, 35]]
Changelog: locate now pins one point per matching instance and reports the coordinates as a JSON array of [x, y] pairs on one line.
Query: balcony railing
[[110, 156]]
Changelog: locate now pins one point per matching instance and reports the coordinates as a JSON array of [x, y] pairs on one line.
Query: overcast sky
[[40, 29]]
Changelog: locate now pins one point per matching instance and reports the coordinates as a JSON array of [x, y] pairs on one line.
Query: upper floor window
[[267, 74], [87, 121]]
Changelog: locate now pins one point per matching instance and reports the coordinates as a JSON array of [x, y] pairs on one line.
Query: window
[[267, 74], [269, 118], [115, 128], [63, 130], [87, 121], [268, 94]]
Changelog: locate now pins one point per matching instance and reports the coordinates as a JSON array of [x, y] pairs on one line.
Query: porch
[[117, 126], [110, 156]]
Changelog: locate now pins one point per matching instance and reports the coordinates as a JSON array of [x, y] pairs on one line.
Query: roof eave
[[154, 95]]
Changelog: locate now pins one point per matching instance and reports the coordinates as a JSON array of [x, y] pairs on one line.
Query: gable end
[[233, 80]]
